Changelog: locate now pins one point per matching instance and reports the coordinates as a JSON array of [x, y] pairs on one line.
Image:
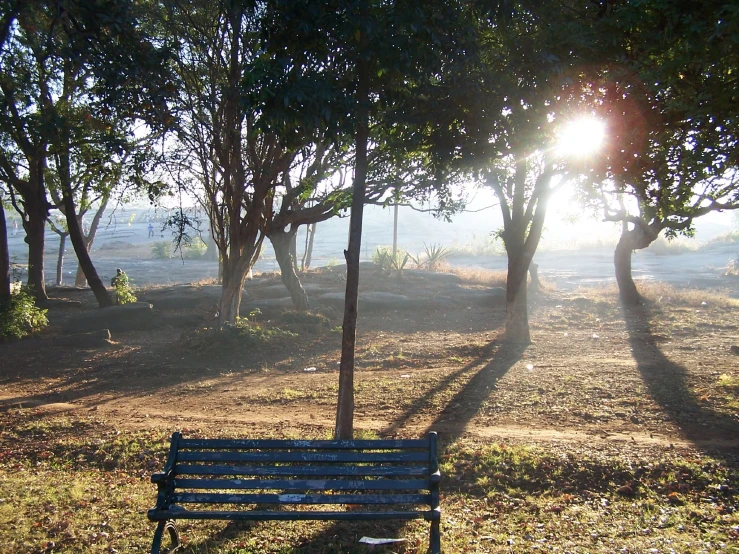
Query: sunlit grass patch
[[480, 276], [77, 485], [662, 294], [525, 499], [666, 294]]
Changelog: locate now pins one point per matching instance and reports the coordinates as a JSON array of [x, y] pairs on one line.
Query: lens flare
[[581, 137]]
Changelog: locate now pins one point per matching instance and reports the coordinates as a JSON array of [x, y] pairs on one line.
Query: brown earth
[[660, 376]]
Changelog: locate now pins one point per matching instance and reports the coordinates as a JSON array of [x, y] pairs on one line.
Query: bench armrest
[[159, 477]]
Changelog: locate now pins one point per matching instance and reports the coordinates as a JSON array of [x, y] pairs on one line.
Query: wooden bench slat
[[300, 470], [254, 515], [256, 480], [247, 444], [292, 498], [303, 484], [283, 457]]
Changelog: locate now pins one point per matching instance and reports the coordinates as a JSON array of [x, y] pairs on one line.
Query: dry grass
[[665, 294], [478, 276]]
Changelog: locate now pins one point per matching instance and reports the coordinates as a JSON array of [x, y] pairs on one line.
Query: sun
[[581, 137]]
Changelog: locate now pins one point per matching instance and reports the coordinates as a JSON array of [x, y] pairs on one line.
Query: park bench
[[256, 480]]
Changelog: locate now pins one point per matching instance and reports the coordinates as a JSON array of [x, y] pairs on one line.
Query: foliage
[[196, 249], [245, 333], [124, 289], [161, 249], [20, 316], [435, 255], [662, 76], [384, 259]]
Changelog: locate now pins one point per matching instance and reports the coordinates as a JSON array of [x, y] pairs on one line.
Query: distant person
[[120, 278], [15, 227], [151, 230]]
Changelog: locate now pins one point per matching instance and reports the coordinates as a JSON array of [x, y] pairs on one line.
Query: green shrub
[[20, 316], [161, 249], [124, 289], [244, 333], [387, 263], [195, 249], [303, 322]]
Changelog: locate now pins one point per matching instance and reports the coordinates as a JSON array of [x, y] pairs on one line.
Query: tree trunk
[[4, 258], [294, 251], [79, 280], [230, 304], [211, 254], [35, 229], [534, 272], [395, 229], [282, 242], [80, 249], [60, 259], [309, 254], [622, 261], [345, 406], [517, 312]]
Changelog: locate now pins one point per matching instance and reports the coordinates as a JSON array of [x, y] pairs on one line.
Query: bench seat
[[290, 480]]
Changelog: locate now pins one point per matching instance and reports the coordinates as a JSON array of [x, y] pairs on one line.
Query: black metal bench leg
[[174, 537], [435, 543]]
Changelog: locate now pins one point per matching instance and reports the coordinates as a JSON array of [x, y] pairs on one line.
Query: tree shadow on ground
[[667, 383], [134, 367], [467, 402]]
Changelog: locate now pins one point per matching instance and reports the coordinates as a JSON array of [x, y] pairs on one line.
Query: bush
[[244, 333], [303, 323], [195, 249], [123, 288], [20, 316], [161, 249], [384, 259]]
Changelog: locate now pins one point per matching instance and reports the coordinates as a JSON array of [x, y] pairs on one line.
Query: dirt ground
[[663, 375]]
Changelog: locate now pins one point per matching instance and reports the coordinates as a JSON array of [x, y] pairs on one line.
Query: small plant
[[254, 314], [124, 290], [389, 263], [435, 255], [20, 316], [381, 257], [161, 249], [728, 382]]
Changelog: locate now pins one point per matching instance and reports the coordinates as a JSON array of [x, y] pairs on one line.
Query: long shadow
[[425, 399], [667, 384], [453, 420], [134, 368]]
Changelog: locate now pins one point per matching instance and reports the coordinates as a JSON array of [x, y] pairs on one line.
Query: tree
[[311, 200], [60, 228], [666, 85], [498, 113], [222, 154], [73, 71], [4, 255], [350, 69]]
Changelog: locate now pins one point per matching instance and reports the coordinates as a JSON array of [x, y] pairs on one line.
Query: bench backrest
[[369, 473]]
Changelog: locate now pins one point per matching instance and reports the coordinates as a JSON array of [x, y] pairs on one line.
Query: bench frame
[[394, 468]]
